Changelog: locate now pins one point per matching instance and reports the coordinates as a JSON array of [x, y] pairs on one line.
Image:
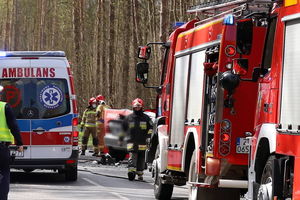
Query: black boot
[[131, 176], [83, 152]]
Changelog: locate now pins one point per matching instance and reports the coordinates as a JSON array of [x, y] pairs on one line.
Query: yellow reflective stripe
[[139, 173], [4, 129], [90, 125], [150, 131], [142, 147], [131, 125], [130, 169], [143, 127], [90, 112], [130, 146]]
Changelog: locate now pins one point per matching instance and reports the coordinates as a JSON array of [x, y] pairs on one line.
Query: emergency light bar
[[32, 54]]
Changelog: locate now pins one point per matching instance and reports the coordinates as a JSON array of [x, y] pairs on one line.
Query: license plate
[[16, 153], [242, 145]]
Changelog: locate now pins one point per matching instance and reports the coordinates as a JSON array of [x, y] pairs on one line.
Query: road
[[91, 184]]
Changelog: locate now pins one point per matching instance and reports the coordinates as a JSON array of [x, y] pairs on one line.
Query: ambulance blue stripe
[[46, 124], [24, 125]]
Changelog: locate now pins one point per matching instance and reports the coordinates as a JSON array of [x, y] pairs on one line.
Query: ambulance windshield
[[36, 98]]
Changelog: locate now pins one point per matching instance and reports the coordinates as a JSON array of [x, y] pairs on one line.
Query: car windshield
[[32, 98]]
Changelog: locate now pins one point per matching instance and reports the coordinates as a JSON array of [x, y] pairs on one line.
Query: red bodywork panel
[[47, 138]]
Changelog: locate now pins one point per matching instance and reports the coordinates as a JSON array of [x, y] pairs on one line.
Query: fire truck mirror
[[142, 69], [240, 66], [244, 36], [144, 52]]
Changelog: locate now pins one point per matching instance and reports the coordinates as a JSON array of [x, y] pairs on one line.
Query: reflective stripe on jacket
[[89, 118], [5, 134]]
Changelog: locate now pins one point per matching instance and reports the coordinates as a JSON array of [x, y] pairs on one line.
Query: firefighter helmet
[[92, 100], [100, 98], [137, 102]]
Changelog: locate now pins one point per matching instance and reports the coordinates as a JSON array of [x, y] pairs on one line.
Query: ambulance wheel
[[268, 182], [28, 170], [161, 191], [71, 173], [200, 193]]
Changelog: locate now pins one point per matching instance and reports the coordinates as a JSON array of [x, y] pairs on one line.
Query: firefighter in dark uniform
[[139, 128], [9, 131], [88, 124]]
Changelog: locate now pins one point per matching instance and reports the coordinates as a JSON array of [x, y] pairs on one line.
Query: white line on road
[[91, 182], [107, 189], [119, 196]]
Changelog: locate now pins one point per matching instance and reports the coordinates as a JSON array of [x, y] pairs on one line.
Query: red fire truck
[[274, 165], [206, 101]]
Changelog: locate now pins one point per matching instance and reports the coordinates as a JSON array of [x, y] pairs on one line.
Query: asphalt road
[[47, 185]]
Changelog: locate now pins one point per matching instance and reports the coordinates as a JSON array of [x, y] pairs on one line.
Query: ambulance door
[[11, 73], [51, 128]]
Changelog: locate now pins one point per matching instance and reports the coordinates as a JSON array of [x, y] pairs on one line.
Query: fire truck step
[[223, 183]]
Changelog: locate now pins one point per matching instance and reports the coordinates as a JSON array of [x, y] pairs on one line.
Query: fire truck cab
[[38, 85], [206, 102]]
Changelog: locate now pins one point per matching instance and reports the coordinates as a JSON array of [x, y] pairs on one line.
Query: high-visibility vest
[[5, 134]]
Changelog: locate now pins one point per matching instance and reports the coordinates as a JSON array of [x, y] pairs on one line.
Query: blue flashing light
[[178, 24], [2, 53], [228, 20]]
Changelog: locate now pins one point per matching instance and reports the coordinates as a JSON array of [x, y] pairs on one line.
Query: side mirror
[[142, 70], [144, 52], [240, 66], [244, 36]]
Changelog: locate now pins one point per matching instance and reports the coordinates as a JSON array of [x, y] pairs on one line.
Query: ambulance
[[39, 87]]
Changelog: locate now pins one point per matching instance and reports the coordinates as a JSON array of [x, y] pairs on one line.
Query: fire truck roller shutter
[[290, 107], [179, 100], [196, 87]]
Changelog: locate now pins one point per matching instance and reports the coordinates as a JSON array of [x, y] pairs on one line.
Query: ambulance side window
[[268, 51], [37, 98]]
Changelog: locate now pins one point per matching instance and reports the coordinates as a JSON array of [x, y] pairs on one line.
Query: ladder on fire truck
[[218, 8]]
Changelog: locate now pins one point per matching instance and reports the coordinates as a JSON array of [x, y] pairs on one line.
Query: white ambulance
[[39, 87]]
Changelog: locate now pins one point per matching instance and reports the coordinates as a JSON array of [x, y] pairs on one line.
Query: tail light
[[225, 137], [75, 132]]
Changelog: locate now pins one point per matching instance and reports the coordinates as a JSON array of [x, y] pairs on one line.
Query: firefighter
[[9, 131], [88, 125], [139, 128], [100, 122]]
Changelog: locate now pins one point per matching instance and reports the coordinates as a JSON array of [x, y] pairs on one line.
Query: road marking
[[119, 196], [91, 182]]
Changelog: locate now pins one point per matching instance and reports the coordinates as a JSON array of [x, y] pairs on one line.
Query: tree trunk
[[7, 27], [111, 50]]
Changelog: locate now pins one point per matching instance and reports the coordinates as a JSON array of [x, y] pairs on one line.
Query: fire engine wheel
[[268, 182], [161, 191], [71, 173], [200, 193]]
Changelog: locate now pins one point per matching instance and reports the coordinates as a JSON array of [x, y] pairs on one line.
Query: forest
[[100, 38]]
